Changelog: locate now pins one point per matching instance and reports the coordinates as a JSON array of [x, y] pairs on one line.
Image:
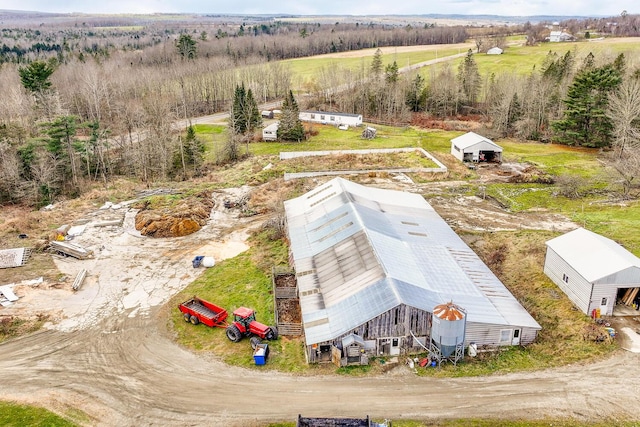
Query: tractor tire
[[194, 320], [254, 342], [187, 317], [272, 335], [233, 333]]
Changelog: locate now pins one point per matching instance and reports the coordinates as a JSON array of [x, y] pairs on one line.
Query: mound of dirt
[[182, 219]]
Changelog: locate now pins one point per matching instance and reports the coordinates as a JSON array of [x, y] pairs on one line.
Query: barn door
[[395, 346]]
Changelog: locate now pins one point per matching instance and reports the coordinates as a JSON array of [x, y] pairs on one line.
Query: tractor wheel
[[194, 320], [272, 335], [254, 342], [187, 317], [233, 333]]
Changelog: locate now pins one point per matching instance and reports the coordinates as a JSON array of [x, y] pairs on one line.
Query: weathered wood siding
[[398, 322]]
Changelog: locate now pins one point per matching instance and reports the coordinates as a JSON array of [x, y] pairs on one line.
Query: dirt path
[[108, 355]]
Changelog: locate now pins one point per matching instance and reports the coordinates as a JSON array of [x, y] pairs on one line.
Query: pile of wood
[[630, 296]]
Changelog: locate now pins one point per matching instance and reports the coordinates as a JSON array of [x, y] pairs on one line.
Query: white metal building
[[270, 133], [472, 147], [376, 262], [591, 269], [336, 119], [495, 51]]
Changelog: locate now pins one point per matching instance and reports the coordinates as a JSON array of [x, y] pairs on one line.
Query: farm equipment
[[245, 324], [197, 311]]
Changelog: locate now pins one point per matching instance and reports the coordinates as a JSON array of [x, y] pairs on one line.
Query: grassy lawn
[[15, 415]]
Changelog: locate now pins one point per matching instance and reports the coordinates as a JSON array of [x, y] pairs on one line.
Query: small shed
[[353, 351], [472, 147], [495, 51], [267, 114], [335, 119], [592, 270], [270, 133]]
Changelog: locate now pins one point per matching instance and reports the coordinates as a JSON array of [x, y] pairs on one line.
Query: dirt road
[[107, 354]]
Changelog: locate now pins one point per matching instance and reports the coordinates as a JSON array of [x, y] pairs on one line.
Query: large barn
[[374, 263], [472, 147], [592, 270]]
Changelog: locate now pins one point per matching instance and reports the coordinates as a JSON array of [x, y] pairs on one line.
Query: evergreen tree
[[416, 95], [376, 63], [469, 79], [239, 122], [254, 119], [35, 76], [290, 128], [585, 121], [186, 46], [391, 73]]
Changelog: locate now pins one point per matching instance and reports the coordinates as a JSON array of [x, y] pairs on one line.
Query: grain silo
[[447, 332]]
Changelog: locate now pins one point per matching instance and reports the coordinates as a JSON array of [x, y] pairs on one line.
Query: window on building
[[313, 116], [604, 301], [455, 147], [332, 118], [565, 278], [505, 335], [322, 117]]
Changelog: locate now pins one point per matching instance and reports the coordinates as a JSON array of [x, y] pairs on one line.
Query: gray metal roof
[[360, 251], [471, 139], [592, 255]]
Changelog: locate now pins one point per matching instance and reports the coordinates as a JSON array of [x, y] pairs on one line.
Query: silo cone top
[[448, 311]]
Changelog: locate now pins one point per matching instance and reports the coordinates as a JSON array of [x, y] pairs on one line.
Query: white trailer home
[[270, 133], [472, 147], [335, 119], [592, 270]]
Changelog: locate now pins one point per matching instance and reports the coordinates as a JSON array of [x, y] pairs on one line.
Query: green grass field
[[15, 415]]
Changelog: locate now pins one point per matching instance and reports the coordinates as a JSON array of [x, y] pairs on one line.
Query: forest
[[87, 99]]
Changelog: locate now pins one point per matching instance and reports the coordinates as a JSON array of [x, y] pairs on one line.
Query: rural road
[[123, 369], [126, 372]]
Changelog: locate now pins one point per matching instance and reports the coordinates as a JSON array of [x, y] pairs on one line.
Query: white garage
[[592, 270], [472, 147]]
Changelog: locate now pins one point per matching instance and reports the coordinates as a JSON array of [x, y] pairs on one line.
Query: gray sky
[[335, 7]]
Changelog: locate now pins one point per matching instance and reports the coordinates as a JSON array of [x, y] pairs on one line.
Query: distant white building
[[270, 133], [495, 51], [560, 36], [336, 119], [472, 147]]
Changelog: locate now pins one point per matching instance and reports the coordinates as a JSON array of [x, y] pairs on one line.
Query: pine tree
[[239, 122], [391, 73], [376, 63], [469, 79], [254, 119], [186, 46], [290, 128], [585, 121], [416, 95]]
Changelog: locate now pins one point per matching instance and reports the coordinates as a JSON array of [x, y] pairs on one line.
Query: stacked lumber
[[630, 296]]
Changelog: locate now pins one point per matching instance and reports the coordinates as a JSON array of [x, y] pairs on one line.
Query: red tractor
[[245, 324]]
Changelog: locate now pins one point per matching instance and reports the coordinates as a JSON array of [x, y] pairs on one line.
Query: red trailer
[[197, 310]]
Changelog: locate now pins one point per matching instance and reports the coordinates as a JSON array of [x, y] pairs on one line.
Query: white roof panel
[[592, 255], [471, 139], [361, 251]]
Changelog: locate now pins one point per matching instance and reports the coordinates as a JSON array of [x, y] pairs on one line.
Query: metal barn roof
[[360, 251], [471, 139], [592, 255]]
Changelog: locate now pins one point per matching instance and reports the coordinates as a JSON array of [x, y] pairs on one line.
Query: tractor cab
[[244, 316]]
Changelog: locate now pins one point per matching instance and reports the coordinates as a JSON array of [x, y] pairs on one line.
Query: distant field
[[517, 58]]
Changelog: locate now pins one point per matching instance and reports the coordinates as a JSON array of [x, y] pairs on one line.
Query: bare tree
[[624, 112]]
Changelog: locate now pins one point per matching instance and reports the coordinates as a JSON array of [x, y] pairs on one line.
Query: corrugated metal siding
[[627, 278], [603, 291], [577, 288], [359, 251]]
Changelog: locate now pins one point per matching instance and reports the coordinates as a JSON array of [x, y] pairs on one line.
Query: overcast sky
[[335, 7]]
